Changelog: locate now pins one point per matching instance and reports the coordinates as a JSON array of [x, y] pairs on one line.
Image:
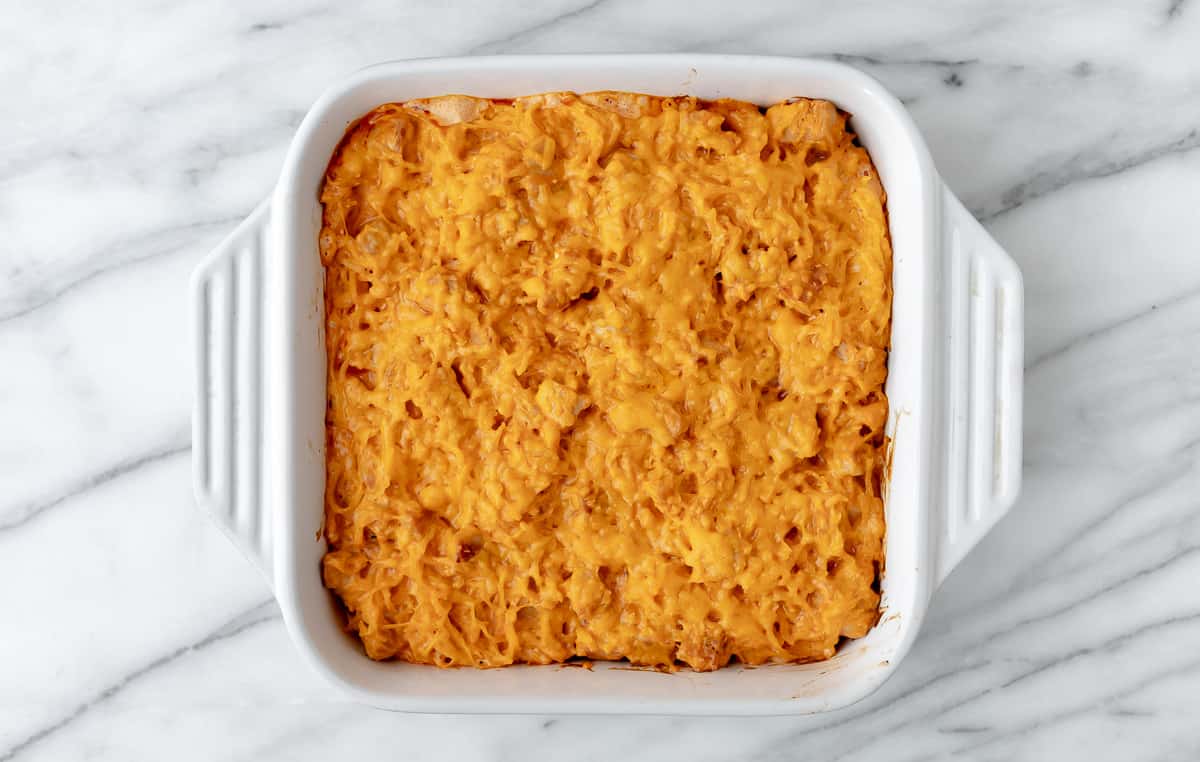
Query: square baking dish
[[954, 382]]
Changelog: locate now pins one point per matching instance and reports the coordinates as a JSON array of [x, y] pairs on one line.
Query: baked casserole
[[605, 380]]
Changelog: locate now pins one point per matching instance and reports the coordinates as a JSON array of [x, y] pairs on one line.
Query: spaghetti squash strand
[[605, 380]]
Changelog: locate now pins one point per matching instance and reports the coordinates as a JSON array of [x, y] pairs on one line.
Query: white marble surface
[[134, 135]]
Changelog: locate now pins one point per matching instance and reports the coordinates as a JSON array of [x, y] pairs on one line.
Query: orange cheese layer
[[605, 380]]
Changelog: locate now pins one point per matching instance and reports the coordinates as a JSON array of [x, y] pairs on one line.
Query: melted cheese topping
[[605, 380]]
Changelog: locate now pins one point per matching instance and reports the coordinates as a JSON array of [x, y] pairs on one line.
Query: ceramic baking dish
[[954, 381]]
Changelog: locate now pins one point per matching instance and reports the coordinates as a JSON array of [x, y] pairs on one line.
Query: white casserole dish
[[955, 375]]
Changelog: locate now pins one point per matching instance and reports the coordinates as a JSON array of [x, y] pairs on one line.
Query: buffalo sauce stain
[[627, 667], [587, 664]]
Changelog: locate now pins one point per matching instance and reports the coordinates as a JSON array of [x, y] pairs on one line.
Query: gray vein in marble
[[289, 20], [153, 241], [1133, 540], [860, 59], [1157, 482], [22, 515], [80, 146], [1181, 555], [495, 46], [209, 155], [1081, 167], [1029, 581], [1174, 9], [1088, 706], [1163, 305], [1123, 712], [1107, 646], [854, 715], [965, 729], [247, 620]]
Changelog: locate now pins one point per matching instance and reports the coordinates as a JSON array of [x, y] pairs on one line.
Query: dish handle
[[227, 421], [984, 299]]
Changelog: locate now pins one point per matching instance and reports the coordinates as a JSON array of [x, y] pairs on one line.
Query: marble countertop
[[136, 134]]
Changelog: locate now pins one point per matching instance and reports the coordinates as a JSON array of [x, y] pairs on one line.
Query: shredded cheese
[[605, 380]]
